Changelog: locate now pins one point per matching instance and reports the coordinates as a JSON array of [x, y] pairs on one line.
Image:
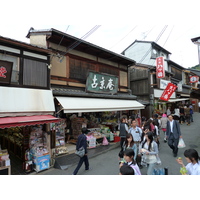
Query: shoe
[[165, 140], [88, 169], [175, 154]]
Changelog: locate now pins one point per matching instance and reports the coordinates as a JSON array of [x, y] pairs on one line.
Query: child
[[129, 160], [126, 170]]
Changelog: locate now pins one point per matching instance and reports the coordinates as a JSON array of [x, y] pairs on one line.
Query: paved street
[[107, 162]]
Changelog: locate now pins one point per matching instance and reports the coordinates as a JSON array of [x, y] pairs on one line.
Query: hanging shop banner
[[167, 93], [194, 79], [5, 71], [160, 69], [101, 83]]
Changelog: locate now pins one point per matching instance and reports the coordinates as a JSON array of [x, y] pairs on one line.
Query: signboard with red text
[[5, 71], [160, 68]]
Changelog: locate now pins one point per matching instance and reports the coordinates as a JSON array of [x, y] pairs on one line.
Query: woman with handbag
[[82, 144], [149, 151]]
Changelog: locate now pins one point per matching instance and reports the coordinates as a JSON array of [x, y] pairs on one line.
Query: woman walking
[[163, 124], [149, 149]]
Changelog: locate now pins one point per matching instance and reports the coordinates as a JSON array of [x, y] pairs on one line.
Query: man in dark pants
[[173, 134], [82, 142]]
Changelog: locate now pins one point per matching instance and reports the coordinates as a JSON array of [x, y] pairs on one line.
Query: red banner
[[167, 93], [194, 79], [160, 69]]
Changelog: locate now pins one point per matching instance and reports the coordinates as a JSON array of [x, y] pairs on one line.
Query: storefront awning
[[25, 101], [175, 100], [8, 122], [76, 105]]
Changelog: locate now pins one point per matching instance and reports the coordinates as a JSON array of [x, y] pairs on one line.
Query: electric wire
[[159, 36], [123, 37], [168, 36]]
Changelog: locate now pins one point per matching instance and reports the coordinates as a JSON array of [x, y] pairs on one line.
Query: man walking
[[173, 134], [137, 134]]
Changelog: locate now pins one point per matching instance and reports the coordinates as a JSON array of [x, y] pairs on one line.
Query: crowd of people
[[140, 145]]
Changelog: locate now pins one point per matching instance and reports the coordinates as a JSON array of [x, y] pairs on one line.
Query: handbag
[[80, 152], [181, 143]]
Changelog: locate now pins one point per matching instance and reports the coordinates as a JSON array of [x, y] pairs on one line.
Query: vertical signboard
[[160, 68]]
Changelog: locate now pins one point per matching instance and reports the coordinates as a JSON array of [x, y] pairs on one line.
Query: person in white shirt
[[193, 159], [199, 106]]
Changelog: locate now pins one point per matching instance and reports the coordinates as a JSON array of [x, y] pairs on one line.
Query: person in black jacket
[[82, 142]]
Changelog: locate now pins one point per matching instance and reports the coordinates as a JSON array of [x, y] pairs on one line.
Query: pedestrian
[[191, 113], [137, 134], [129, 160], [82, 142], [182, 114], [168, 111], [130, 144], [163, 124], [187, 115], [199, 106], [176, 113], [123, 129], [156, 134], [173, 134], [126, 170], [149, 151], [193, 159]]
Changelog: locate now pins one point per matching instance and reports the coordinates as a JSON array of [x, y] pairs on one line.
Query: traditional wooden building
[[87, 79]]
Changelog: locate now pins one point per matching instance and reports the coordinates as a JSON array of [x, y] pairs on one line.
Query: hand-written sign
[[102, 83], [167, 93], [160, 69], [5, 71]]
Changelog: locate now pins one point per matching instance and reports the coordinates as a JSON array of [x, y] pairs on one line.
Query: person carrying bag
[[81, 149]]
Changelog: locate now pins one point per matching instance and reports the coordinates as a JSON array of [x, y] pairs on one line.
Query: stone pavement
[[191, 136]]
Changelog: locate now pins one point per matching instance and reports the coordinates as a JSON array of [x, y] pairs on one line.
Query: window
[[35, 73], [15, 68]]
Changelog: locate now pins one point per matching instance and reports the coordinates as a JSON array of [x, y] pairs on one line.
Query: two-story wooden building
[[90, 84], [27, 105], [143, 79]]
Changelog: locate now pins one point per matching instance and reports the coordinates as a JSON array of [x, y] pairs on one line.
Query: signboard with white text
[[101, 83]]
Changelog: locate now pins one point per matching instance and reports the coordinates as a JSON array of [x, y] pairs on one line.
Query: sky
[[121, 23]]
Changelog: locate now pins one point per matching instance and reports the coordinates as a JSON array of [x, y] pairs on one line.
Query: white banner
[[163, 83]]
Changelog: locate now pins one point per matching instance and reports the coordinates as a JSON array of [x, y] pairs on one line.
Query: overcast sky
[[122, 22]]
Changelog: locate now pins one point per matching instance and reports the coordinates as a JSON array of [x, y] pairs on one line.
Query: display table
[[3, 170]]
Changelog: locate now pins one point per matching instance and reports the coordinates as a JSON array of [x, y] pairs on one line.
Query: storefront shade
[[76, 105], [8, 122]]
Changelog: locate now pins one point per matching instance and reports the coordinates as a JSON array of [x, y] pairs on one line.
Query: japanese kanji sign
[[5, 71], [102, 83], [194, 79], [160, 69], [167, 93]]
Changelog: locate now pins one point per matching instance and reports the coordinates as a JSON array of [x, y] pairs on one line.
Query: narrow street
[[107, 163]]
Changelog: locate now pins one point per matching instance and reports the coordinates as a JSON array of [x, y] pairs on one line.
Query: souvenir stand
[[5, 167], [39, 153], [58, 130]]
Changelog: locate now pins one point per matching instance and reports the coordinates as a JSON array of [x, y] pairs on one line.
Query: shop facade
[[26, 108], [90, 87]]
